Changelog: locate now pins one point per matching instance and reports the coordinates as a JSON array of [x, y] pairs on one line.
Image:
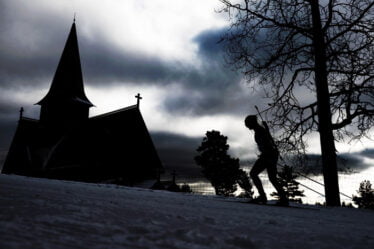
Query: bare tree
[[314, 59]]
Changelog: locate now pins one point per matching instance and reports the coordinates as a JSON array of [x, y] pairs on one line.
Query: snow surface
[[42, 213]]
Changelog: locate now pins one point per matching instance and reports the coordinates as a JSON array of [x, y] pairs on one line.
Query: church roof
[[67, 85], [119, 111]]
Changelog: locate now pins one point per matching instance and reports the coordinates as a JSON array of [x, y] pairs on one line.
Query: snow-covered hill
[[42, 213]]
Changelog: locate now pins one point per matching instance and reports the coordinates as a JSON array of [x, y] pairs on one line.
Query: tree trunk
[[329, 164]]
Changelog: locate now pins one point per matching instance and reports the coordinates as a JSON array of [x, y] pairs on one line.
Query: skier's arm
[[269, 135]]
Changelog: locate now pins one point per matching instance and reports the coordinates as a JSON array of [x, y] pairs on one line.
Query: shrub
[[287, 179], [365, 198]]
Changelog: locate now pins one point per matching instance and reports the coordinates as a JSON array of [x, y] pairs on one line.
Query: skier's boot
[[282, 202], [259, 200]]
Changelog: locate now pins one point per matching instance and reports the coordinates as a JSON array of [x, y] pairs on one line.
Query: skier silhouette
[[267, 160]]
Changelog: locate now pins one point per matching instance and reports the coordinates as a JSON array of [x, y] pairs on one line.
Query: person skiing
[[267, 160]]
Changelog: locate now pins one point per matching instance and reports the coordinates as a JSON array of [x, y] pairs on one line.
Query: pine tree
[[244, 182], [217, 166], [287, 179], [366, 196]]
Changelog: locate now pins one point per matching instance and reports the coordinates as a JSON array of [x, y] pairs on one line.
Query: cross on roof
[[138, 99], [174, 174], [21, 113]]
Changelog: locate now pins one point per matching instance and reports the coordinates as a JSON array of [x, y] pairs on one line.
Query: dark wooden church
[[65, 143]]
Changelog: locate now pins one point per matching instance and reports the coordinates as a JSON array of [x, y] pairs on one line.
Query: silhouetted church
[[66, 144]]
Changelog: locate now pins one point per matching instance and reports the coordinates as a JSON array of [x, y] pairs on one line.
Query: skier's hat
[[250, 120]]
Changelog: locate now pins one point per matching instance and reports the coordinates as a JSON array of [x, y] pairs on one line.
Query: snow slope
[[42, 213]]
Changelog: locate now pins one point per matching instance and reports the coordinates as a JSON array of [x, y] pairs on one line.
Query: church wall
[[63, 114], [129, 149]]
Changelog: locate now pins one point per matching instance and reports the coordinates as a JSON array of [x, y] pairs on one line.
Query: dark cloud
[[28, 40], [177, 153], [101, 63], [104, 64], [210, 88], [211, 44], [368, 153], [347, 162], [8, 109], [214, 88]]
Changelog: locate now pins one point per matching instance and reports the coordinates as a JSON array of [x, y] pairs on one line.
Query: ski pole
[[259, 113]]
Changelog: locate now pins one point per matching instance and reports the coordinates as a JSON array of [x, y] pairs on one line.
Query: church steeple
[[66, 99]]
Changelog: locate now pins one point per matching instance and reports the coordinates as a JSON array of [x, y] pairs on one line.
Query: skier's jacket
[[265, 142]]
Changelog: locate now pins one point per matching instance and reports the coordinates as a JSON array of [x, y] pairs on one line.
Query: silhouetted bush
[[287, 179], [185, 188], [158, 186], [173, 187], [347, 205], [320, 204], [218, 167], [365, 198]]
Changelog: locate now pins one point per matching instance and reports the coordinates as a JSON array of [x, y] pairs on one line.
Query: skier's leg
[[272, 174], [257, 168]]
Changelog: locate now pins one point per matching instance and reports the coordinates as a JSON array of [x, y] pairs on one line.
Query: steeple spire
[[67, 84], [67, 90]]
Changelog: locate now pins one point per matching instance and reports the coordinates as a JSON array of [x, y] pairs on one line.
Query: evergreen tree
[[217, 166], [244, 182], [287, 179], [366, 196]]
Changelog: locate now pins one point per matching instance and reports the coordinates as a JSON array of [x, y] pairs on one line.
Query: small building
[[65, 143]]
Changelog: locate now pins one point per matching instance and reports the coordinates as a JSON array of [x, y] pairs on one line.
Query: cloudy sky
[[166, 50]]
